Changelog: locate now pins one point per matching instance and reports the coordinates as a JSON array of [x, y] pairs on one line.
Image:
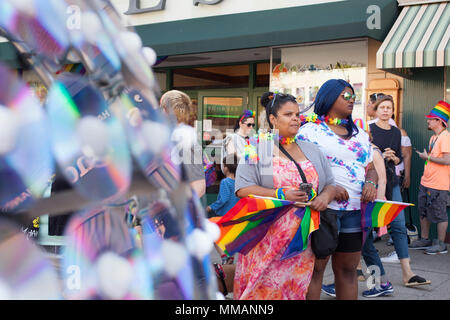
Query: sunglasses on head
[[250, 125], [347, 96], [376, 96]]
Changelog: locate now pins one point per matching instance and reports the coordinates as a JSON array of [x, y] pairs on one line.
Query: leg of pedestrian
[[344, 268], [315, 285]]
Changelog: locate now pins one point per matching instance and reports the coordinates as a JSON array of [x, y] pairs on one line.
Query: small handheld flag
[[380, 213]]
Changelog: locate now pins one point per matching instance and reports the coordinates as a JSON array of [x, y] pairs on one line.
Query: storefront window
[[301, 71], [262, 74], [161, 79], [211, 77]]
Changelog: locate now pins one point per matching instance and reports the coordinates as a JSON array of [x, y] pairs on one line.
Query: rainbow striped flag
[[249, 220], [310, 221], [380, 213]]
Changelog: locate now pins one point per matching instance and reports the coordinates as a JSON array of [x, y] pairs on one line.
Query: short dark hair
[[272, 102], [231, 162]]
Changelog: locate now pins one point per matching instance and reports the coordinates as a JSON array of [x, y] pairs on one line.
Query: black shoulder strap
[[302, 174]]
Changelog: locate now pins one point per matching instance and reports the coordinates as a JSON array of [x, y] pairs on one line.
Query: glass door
[[218, 112]]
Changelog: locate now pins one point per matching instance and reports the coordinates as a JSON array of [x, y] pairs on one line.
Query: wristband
[[373, 183], [279, 194]]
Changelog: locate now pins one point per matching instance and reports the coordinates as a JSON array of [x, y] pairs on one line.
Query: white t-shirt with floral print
[[348, 160]]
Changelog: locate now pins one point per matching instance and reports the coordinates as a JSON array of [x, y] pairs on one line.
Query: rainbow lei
[[287, 140], [314, 118]]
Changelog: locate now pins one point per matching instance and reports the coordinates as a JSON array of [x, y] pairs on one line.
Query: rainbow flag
[[249, 220], [361, 123], [379, 213], [310, 220]]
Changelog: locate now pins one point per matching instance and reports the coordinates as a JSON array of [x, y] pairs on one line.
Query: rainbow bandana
[[247, 114], [441, 111]]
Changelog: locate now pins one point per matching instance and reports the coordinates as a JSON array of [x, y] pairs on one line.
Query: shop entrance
[[217, 113]]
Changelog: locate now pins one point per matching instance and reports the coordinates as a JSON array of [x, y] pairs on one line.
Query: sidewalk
[[435, 268]]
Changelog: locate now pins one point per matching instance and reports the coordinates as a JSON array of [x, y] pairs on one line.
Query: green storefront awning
[[336, 20], [419, 38], [310, 23]]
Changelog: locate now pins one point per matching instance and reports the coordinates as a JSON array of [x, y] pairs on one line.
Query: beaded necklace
[[319, 119]]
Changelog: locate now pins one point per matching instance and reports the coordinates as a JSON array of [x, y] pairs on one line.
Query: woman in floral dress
[[262, 274]]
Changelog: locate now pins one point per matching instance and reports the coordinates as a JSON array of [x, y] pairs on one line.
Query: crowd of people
[[345, 165]]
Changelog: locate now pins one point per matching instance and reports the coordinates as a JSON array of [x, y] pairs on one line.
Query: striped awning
[[419, 38]]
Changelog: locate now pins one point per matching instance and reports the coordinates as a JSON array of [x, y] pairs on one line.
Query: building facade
[[226, 53], [418, 48]]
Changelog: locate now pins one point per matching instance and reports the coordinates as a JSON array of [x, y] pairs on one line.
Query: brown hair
[[179, 104], [382, 99]]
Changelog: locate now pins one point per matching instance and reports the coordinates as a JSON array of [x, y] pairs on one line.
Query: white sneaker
[[391, 258]]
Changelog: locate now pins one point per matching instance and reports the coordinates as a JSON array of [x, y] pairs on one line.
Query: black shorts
[[349, 242]]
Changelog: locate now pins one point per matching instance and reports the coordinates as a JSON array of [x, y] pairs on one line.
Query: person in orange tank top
[[435, 182]]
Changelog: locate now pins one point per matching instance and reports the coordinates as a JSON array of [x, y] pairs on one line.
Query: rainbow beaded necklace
[[320, 119]]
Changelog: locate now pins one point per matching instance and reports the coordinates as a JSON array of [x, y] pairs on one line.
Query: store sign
[[223, 111], [135, 6]]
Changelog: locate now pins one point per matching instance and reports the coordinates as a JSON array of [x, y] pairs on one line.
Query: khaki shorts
[[433, 204]]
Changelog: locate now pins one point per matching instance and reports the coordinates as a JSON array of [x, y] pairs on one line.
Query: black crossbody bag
[[324, 241]]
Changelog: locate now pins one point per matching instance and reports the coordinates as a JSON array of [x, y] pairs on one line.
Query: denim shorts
[[348, 221]]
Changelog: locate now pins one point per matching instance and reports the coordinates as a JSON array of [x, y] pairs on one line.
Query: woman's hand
[[389, 154], [406, 182], [341, 194], [296, 195], [369, 193], [320, 203]]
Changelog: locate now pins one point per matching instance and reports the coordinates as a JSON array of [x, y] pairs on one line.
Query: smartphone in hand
[[306, 187]]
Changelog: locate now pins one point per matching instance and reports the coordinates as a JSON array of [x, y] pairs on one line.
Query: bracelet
[[280, 194], [373, 183]]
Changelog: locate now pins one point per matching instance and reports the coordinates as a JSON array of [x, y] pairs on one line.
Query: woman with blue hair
[[349, 154]]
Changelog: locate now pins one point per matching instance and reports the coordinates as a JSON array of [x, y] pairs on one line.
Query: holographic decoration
[[136, 70], [100, 248], [39, 28], [25, 272], [93, 45], [149, 137], [26, 163], [88, 141], [166, 252]]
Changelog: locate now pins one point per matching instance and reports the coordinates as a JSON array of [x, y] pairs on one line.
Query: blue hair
[[328, 93]]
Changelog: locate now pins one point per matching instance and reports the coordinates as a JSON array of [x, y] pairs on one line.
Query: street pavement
[[435, 268]]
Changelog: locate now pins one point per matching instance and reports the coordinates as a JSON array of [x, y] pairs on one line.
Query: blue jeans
[[397, 229], [398, 233], [370, 254]]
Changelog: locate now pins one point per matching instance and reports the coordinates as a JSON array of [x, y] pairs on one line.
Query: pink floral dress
[[260, 275]]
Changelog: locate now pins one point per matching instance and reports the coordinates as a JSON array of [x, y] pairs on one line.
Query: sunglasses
[[376, 96], [250, 125], [347, 96]]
